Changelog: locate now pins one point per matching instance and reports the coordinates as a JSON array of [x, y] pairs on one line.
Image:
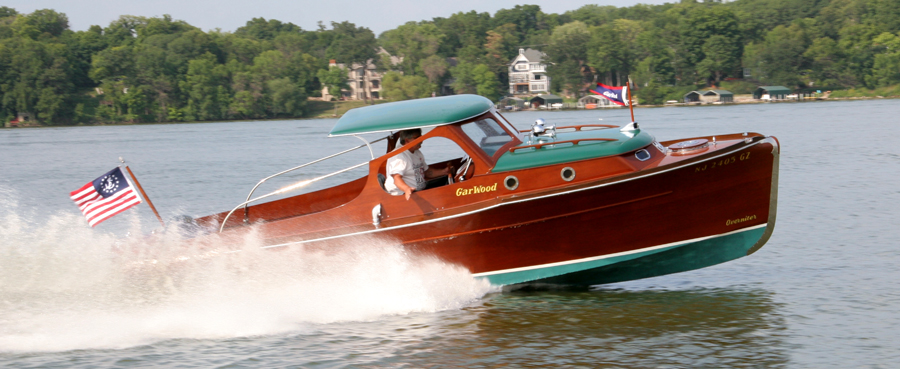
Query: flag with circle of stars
[[106, 196]]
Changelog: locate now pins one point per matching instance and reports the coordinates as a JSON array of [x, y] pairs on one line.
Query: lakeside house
[[528, 73], [365, 82]]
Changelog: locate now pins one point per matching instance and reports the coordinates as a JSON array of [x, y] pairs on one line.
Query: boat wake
[[64, 286]]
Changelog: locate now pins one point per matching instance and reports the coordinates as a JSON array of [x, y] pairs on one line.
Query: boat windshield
[[487, 134]]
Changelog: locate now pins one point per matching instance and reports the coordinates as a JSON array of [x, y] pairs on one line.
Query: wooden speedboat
[[580, 205]]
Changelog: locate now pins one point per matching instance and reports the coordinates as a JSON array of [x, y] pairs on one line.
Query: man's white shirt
[[410, 166]]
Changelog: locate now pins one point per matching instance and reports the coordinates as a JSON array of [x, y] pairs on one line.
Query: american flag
[[104, 197]]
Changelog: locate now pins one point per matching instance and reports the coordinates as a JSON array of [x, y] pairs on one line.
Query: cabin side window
[[487, 134], [441, 157]]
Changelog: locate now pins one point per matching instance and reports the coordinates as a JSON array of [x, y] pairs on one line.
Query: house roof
[[547, 98], [774, 90], [532, 55], [400, 115], [510, 100], [724, 93]]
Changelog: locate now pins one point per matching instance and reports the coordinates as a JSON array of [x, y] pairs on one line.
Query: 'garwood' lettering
[[475, 189]]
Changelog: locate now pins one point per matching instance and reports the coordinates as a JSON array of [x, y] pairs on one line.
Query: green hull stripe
[[650, 262]]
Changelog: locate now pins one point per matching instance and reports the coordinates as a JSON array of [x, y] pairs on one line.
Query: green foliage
[[890, 91], [475, 79], [413, 42], [886, 68], [156, 69], [351, 44], [738, 87], [779, 59], [655, 94], [568, 52], [335, 79], [462, 30], [399, 87], [434, 67]]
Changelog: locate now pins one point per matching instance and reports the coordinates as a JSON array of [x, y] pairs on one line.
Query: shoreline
[[676, 105]]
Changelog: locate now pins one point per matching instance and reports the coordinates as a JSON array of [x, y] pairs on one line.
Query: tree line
[[140, 69]]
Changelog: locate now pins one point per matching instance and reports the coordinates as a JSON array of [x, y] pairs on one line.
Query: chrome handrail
[[288, 188], [366, 144]]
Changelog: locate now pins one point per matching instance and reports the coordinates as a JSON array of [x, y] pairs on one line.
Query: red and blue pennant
[[618, 95]]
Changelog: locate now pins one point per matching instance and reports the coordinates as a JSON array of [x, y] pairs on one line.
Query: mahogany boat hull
[[674, 220], [692, 213]]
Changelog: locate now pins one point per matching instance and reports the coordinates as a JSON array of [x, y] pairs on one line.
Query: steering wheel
[[466, 162]]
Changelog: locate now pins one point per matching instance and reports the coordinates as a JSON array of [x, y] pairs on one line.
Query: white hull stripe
[[508, 202], [607, 256]]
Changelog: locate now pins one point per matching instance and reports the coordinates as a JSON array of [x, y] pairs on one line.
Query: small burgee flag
[[618, 95], [106, 196]]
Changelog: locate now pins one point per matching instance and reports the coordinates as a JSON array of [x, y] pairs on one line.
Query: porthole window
[[511, 183], [567, 174]]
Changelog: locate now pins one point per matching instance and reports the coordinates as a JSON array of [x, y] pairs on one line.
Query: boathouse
[[709, 96], [595, 102], [771, 93], [545, 100], [511, 103]]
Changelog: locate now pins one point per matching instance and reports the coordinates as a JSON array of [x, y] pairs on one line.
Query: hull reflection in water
[[716, 328]]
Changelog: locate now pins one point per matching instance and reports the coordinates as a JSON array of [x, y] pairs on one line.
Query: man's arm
[[398, 181], [432, 173]]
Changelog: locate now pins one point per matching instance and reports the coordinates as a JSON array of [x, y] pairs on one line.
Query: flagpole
[[144, 194], [630, 103]]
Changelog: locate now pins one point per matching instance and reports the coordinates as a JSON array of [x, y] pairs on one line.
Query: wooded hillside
[[139, 69]]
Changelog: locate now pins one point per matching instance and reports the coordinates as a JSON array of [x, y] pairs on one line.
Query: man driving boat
[[407, 171]]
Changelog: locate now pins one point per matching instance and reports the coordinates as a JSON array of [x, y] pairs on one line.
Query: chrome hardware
[[567, 174], [661, 148], [282, 190], [541, 128], [376, 215], [633, 126], [537, 129], [689, 145], [511, 183], [300, 184], [367, 144]]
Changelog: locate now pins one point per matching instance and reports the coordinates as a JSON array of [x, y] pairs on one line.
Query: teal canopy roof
[[564, 153], [409, 114]]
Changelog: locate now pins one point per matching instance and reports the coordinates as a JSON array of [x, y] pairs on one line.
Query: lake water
[[822, 293]]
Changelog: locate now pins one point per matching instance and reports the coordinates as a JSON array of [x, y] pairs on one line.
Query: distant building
[[363, 82], [511, 103], [771, 93], [527, 73], [709, 96], [594, 102], [545, 100]]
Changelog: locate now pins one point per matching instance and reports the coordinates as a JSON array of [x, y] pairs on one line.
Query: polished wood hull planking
[[618, 219]]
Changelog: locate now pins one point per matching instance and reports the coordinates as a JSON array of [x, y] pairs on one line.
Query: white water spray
[[64, 286]]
